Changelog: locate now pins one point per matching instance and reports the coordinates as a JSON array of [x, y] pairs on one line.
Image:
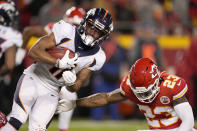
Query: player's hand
[[66, 62], [69, 77], [65, 105]]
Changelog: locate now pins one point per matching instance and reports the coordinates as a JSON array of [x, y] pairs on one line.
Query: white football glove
[[69, 77], [66, 62], [65, 105]]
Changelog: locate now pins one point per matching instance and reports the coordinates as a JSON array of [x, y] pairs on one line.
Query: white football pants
[[34, 99]]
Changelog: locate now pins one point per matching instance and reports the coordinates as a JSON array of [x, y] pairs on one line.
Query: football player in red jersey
[[160, 96]]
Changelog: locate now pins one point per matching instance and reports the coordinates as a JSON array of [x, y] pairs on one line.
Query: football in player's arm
[[160, 96]]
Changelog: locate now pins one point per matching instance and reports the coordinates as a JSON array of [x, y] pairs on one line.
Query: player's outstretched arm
[[95, 100], [101, 99], [184, 111]]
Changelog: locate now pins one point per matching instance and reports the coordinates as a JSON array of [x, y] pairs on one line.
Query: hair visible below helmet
[[74, 15], [8, 12], [100, 19], [144, 79]]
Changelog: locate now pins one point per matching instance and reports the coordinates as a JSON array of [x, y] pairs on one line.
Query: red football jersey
[[160, 114]]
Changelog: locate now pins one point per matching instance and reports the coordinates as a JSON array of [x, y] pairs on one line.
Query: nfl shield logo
[[165, 100]]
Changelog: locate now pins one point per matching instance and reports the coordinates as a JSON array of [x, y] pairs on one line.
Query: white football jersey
[[8, 38], [67, 36]]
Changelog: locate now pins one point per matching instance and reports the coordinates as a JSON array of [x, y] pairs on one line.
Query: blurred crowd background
[[164, 30]]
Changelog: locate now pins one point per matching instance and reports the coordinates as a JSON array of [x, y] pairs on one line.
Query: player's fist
[[66, 62], [69, 77], [65, 105], [3, 120]]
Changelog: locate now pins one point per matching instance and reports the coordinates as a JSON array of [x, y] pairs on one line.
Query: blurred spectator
[[146, 45], [182, 9], [87, 4], [108, 78], [53, 11], [125, 15], [193, 12], [144, 9], [187, 68]]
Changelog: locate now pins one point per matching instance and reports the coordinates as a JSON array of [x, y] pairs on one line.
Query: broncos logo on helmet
[[8, 12], [100, 19]]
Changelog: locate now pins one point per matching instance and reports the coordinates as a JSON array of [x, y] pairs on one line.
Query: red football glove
[[3, 119]]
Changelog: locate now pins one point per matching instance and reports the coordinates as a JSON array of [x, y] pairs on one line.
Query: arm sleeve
[[184, 111]]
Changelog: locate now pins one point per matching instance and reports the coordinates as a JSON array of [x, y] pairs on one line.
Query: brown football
[[59, 52]]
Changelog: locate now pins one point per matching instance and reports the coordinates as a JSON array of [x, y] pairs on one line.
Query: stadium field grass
[[89, 125]]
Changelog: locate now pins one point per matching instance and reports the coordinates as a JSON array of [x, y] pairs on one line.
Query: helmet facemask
[[147, 95], [89, 40]]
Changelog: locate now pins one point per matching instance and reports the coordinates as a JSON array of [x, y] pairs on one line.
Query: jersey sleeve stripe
[[181, 93], [92, 63], [63, 41], [17, 94]]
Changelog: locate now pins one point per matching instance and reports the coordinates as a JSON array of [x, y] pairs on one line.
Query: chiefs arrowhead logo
[[164, 100], [154, 71]]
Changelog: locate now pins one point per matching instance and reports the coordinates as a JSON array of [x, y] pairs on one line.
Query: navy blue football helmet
[[8, 13], [100, 19]]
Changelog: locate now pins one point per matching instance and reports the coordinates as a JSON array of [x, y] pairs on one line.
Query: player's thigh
[[43, 110], [24, 98]]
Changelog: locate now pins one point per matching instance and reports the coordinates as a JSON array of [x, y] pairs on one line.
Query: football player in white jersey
[[10, 38], [160, 97], [73, 15], [37, 91]]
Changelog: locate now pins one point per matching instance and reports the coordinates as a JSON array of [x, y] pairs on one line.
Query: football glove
[[69, 77], [66, 62], [65, 105]]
